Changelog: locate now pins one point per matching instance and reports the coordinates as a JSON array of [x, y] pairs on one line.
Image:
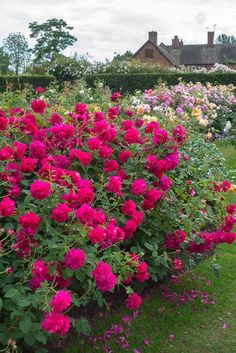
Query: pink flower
[[85, 158], [20, 149], [61, 212], [231, 209], [160, 136], [37, 149], [124, 156], [132, 136], [104, 278], [226, 185], [75, 258], [39, 90], [27, 165], [38, 106], [80, 108], [177, 264], [115, 96], [94, 143], [133, 301], [7, 207], [40, 190], [60, 301], [105, 152], [110, 166], [29, 222], [85, 195], [179, 134], [115, 185], [164, 183], [138, 187], [174, 239], [97, 235], [3, 123], [142, 274], [85, 214], [129, 228], [56, 323], [128, 207]]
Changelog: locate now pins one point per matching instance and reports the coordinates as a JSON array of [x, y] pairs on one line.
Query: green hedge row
[[132, 82], [19, 82]]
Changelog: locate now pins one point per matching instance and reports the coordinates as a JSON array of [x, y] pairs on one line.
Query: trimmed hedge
[[132, 82], [18, 82]]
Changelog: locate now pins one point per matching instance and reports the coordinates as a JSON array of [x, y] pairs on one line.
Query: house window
[[148, 53]]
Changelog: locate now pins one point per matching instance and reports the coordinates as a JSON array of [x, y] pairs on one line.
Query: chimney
[[175, 42], [210, 39], [152, 36]]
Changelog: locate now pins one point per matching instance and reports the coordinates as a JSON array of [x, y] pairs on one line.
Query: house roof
[[162, 49], [202, 54]]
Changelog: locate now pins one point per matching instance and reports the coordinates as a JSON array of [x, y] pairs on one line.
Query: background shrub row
[[19, 82], [131, 82], [122, 82]]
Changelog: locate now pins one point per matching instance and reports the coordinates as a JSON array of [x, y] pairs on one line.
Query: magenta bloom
[[27, 165], [132, 136], [37, 149], [133, 301], [39, 90], [142, 274], [40, 190], [7, 207], [124, 156], [110, 166], [60, 301], [138, 187], [38, 106], [115, 185], [85, 214], [61, 212], [29, 222], [56, 323], [85, 158], [75, 258], [128, 207], [104, 278]]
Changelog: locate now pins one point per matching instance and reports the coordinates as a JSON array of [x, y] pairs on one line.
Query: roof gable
[[162, 50]]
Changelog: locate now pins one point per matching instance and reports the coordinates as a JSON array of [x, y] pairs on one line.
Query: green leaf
[[41, 337], [149, 246], [29, 339], [1, 304], [25, 324]]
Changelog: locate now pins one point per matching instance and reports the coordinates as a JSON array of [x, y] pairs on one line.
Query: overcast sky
[[107, 26]]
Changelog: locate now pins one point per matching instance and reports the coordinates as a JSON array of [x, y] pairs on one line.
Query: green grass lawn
[[197, 327]]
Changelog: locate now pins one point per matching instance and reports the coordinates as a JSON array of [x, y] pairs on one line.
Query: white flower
[[227, 126]]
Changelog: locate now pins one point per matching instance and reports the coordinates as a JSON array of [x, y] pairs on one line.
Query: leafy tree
[[52, 37], [127, 56], [225, 39], [4, 62], [17, 49]]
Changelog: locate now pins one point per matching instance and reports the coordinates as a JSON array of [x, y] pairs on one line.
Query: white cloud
[[107, 26]]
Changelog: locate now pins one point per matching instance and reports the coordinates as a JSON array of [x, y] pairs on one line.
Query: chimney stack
[[210, 39], [152, 36], [176, 43]]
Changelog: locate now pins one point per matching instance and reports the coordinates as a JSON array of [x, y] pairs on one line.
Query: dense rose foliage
[[94, 201]]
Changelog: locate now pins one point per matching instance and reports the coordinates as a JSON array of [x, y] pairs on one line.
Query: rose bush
[[93, 201]]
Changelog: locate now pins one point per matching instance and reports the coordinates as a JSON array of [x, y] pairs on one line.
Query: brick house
[[199, 55]]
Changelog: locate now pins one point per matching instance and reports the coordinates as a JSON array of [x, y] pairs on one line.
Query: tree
[[4, 62], [52, 37], [127, 56], [225, 39], [17, 48]]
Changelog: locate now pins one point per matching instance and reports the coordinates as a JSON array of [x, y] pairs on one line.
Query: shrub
[[132, 82], [19, 82], [96, 201]]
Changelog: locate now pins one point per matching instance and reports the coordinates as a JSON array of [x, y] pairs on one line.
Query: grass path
[[197, 327]]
